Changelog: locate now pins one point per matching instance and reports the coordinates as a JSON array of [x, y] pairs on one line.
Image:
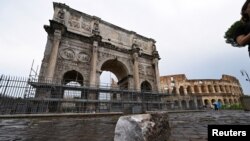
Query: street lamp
[[243, 73]]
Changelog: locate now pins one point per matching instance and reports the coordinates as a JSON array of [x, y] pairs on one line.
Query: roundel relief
[[73, 55], [83, 57], [67, 54]]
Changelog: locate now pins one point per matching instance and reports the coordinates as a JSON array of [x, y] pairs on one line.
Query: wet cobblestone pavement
[[193, 126], [188, 126], [60, 129]]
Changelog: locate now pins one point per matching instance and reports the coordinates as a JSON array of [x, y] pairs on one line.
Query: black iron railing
[[20, 95]]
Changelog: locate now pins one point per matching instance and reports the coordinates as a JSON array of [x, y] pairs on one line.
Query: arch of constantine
[[79, 47], [189, 93]]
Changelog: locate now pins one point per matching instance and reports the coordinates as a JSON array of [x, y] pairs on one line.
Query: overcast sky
[[188, 33]]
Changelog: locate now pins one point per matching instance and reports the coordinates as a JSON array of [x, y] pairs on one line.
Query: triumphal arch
[[79, 47]]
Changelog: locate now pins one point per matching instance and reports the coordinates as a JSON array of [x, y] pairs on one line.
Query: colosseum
[[195, 93]]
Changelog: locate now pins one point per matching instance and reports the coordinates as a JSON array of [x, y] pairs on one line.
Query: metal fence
[[20, 95]]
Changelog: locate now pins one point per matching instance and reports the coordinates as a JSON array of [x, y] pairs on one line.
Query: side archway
[[181, 90], [146, 86], [75, 79], [72, 76]]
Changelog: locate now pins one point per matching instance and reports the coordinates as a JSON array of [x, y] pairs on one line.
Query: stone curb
[[61, 115], [178, 111], [85, 114]]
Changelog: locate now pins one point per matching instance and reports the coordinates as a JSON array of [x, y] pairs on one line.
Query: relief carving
[[74, 55], [135, 43], [141, 69], [96, 25], [60, 67], [74, 21], [149, 71], [67, 54], [145, 47], [83, 57], [103, 55], [61, 14], [140, 43], [95, 29], [86, 26]]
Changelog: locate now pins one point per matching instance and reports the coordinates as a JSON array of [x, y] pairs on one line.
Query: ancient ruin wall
[[227, 85]]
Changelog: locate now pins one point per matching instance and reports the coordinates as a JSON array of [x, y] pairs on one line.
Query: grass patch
[[232, 107]]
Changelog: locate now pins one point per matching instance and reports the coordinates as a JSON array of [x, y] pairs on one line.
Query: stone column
[[157, 75], [177, 89], [213, 90], [93, 65], [53, 56], [187, 102], [202, 102], [91, 107], [192, 89], [185, 91], [195, 103], [199, 89], [170, 90], [218, 89], [223, 89], [228, 89], [233, 90], [136, 72], [130, 83], [206, 89], [180, 106]]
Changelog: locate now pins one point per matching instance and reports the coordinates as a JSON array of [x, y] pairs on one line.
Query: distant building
[[194, 93]]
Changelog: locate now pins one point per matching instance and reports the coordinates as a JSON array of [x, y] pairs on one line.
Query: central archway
[[119, 70], [114, 68]]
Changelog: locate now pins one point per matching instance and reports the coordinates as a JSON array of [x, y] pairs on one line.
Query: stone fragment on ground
[[143, 127]]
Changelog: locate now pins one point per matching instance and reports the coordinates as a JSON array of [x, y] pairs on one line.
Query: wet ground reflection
[[58, 129]]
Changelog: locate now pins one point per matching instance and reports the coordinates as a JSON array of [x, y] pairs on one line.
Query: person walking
[[219, 105], [215, 106]]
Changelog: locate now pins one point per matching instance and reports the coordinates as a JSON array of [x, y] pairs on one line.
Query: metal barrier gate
[[20, 95]]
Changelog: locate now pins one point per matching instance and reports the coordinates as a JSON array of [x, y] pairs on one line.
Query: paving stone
[[193, 126], [188, 126]]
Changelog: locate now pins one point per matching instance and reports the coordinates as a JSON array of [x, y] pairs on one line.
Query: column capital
[[54, 25], [135, 56], [95, 46], [96, 38], [57, 34], [135, 49], [95, 43], [156, 55], [155, 61]]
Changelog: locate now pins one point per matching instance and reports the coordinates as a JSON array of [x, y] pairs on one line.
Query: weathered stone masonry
[[189, 94], [80, 47]]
